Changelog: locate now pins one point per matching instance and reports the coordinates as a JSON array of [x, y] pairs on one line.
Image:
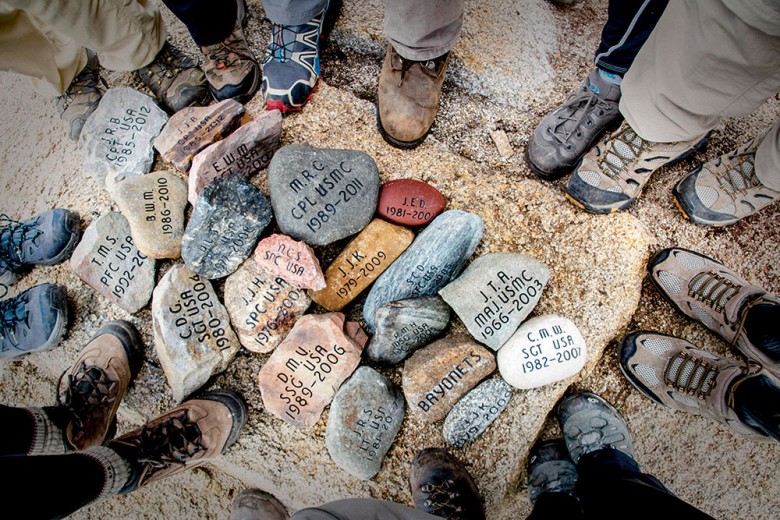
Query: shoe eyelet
[[589, 123]]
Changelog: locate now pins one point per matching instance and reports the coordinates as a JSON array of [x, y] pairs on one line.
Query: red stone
[[410, 202]]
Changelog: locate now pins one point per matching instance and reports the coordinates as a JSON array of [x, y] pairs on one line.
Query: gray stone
[[364, 419], [403, 326], [322, 195], [472, 415], [108, 260], [117, 138], [192, 333], [495, 294], [436, 256], [225, 225]]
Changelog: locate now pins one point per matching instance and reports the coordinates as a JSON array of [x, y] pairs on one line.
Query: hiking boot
[[441, 486], [231, 69], [589, 424], [45, 239], [33, 321], [175, 79], [550, 470], [97, 382], [673, 373], [612, 174], [707, 291], [291, 65], [566, 133], [81, 98], [408, 98], [188, 436], [254, 504], [725, 190]]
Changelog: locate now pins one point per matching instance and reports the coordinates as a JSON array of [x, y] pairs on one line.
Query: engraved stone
[[364, 419], [322, 195], [472, 415], [294, 261], [117, 137], [404, 326], [194, 128], [544, 350], [436, 376], [192, 333], [154, 206], [263, 308], [495, 294], [361, 262], [409, 202], [303, 373], [246, 151], [227, 221], [436, 256], [108, 260]]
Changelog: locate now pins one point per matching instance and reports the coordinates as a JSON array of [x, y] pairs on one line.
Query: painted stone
[[473, 414], [409, 202], [295, 261]]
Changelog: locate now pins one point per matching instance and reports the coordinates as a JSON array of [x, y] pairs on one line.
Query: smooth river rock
[[409, 202], [472, 415], [436, 256], [364, 419], [544, 350], [322, 195], [294, 261], [495, 294]]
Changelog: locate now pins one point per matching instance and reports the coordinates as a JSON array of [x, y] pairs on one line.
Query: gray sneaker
[[175, 79], [550, 470], [566, 133], [725, 190], [589, 424], [673, 373], [33, 321], [81, 98], [254, 504]]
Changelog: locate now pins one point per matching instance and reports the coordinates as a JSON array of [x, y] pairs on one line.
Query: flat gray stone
[[495, 294], [192, 333], [225, 225], [472, 415], [117, 138], [436, 256], [403, 326], [108, 260], [322, 195], [364, 419]]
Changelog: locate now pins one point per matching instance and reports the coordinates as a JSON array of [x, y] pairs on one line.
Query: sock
[[610, 77], [761, 329], [48, 437], [117, 470]]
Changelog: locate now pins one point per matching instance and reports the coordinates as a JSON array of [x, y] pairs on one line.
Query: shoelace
[[626, 147], [440, 498], [429, 66], [228, 52], [712, 289], [85, 83], [740, 177], [12, 312], [12, 235], [86, 390], [691, 375], [283, 48], [168, 64], [582, 102]]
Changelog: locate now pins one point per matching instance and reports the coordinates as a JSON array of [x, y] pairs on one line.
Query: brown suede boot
[[408, 98]]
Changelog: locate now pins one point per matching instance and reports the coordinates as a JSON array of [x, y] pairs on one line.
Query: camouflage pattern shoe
[[33, 321], [175, 79], [81, 98]]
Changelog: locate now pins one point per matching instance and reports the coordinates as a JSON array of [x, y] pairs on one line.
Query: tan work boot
[[254, 504], [82, 97], [175, 80], [408, 98]]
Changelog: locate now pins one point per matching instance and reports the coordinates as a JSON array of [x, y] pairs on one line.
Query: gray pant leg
[[423, 29], [362, 509], [292, 12]]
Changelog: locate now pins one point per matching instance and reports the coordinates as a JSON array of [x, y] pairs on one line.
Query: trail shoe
[[673, 373], [97, 381], [725, 190], [188, 436], [550, 470], [33, 321], [566, 133], [408, 98], [705, 290], [589, 423], [612, 174], [81, 98], [291, 65], [45, 239], [441, 486], [254, 504], [175, 79], [230, 67]]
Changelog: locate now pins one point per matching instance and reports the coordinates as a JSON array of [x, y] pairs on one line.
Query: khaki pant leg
[[768, 158], [701, 63], [423, 29]]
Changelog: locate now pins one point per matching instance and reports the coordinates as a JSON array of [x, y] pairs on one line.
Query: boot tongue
[[734, 305]]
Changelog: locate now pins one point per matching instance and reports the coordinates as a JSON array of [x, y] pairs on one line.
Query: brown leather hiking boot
[[175, 80], [408, 98], [441, 486]]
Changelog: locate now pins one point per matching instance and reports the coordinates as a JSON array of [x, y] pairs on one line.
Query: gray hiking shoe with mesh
[[33, 321], [673, 373], [81, 98], [175, 79], [705, 290], [550, 470], [566, 133], [723, 191]]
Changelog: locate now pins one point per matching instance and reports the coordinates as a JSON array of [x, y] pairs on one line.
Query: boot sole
[[392, 141]]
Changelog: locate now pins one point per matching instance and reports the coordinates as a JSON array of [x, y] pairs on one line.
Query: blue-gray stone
[[477, 410], [226, 223], [364, 418], [436, 256]]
